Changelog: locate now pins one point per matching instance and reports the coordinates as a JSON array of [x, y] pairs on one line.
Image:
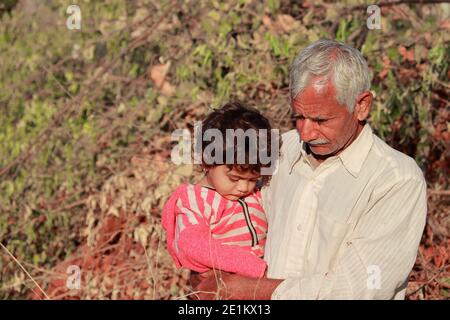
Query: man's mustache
[[317, 142]]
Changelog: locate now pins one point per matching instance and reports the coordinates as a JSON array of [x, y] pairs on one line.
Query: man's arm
[[224, 285]]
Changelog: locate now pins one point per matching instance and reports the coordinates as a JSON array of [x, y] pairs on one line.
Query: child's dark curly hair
[[236, 115]]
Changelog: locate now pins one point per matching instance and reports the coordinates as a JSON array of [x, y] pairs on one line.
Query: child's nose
[[243, 186]]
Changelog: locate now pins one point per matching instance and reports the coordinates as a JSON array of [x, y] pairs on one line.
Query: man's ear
[[363, 105]]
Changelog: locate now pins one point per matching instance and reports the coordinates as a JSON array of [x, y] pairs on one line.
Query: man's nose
[[307, 130]]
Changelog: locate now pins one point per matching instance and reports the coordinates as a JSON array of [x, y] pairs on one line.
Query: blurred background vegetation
[[86, 117]]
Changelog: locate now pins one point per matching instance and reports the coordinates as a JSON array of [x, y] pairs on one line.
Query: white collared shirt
[[350, 228]]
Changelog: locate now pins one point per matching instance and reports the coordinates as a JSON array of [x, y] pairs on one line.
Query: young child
[[219, 222]]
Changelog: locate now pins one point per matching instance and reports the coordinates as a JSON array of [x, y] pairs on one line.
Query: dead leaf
[[167, 89], [407, 55], [386, 66], [158, 75], [445, 24], [267, 22], [286, 23]]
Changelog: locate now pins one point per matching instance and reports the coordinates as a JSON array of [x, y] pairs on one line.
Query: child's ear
[[205, 169], [259, 183]]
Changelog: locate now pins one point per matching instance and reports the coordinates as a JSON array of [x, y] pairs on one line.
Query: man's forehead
[[317, 97], [320, 85], [318, 88], [312, 109]]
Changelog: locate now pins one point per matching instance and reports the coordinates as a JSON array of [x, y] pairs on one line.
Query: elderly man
[[346, 211]]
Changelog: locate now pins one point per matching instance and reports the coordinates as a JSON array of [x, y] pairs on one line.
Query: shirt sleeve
[[375, 261]]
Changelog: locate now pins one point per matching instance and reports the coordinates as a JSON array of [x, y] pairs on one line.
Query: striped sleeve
[[185, 207], [194, 247], [199, 251]]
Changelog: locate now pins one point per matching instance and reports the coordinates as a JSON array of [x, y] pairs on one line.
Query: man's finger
[[209, 288], [195, 279]]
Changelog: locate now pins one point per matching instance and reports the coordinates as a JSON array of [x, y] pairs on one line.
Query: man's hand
[[197, 277], [223, 285]]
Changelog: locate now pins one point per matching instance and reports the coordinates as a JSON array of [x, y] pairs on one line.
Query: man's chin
[[320, 150]]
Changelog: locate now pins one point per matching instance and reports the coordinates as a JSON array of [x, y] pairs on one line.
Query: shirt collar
[[294, 154], [352, 157], [356, 153]]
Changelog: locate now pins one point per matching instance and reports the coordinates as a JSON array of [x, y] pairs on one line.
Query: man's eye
[[234, 180], [319, 121]]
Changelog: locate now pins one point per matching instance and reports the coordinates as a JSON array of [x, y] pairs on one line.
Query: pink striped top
[[207, 231]]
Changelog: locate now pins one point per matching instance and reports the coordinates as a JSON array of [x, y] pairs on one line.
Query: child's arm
[[186, 219], [198, 246]]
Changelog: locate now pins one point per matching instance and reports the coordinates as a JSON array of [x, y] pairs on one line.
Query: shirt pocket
[[326, 239]]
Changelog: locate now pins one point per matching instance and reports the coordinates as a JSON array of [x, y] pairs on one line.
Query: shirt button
[[299, 227]]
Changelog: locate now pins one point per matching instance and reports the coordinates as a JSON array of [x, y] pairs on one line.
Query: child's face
[[231, 183]]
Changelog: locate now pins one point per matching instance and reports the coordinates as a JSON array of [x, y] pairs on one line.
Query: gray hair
[[341, 63]]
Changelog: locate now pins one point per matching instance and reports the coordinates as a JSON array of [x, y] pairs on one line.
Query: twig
[[76, 204], [431, 280], [438, 192], [24, 270], [57, 81]]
